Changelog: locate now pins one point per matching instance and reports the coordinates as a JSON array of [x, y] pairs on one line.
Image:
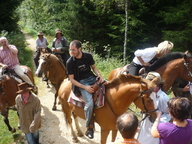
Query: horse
[[56, 71], [170, 67], [119, 94], [8, 89]]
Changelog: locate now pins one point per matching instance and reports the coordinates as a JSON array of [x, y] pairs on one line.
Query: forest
[[113, 28]]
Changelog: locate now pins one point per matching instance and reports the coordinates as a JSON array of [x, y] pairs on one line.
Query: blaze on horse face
[[148, 107]]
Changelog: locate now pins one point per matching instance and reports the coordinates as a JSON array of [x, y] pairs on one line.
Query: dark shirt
[[80, 68]]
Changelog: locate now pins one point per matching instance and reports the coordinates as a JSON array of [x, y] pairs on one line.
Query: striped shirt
[[7, 57]]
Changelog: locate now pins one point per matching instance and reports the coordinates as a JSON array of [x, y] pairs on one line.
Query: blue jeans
[[32, 138], [89, 105]]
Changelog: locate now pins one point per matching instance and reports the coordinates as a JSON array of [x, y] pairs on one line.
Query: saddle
[[98, 97], [11, 73]]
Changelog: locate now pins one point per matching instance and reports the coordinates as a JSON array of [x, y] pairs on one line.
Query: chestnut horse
[[170, 67], [56, 71], [119, 94], [8, 88]]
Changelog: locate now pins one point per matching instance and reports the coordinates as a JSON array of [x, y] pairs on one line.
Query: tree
[[9, 17]]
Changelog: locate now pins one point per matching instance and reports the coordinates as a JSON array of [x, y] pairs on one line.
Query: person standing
[[179, 131], [79, 70], [160, 99], [41, 43], [60, 46], [9, 59], [145, 57], [127, 125], [29, 111]]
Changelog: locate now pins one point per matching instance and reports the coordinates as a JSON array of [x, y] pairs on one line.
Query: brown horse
[[8, 88], [170, 67], [56, 71], [119, 94]]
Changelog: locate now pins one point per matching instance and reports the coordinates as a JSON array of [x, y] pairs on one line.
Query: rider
[[79, 67], [41, 43], [9, 59], [147, 56], [60, 46]]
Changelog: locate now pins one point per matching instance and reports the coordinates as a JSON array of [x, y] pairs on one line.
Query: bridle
[[48, 64], [186, 66], [143, 102]]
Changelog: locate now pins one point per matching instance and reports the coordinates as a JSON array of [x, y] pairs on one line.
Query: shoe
[[89, 133], [45, 79]]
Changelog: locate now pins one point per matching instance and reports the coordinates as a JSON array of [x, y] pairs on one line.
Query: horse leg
[[6, 120], [114, 134], [104, 135], [79, 132], [54, 104]]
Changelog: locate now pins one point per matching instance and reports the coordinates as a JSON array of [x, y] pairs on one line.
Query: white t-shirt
[[146, 54]]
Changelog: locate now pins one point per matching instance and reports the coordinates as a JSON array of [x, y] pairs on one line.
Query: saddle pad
[[78, 101]]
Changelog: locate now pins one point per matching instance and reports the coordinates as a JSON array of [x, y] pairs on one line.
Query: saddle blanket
[[98, 101]]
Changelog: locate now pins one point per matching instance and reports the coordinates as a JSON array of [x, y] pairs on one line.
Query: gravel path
[[54, 130]]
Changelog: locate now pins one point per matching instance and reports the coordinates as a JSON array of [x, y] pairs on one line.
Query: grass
[[6, 137]]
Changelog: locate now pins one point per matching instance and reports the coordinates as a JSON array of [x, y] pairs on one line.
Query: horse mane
[[165, 59], [122, 78]]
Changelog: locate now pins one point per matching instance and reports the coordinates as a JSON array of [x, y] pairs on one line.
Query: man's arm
[[96, 71]]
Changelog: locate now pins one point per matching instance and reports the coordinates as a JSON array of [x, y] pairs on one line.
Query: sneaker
[[45, 79], [89, 133]]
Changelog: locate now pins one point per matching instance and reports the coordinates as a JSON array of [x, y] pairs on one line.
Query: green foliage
[[9, 17], [6, 137]]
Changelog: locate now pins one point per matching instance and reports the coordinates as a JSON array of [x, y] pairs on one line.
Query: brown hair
[[127, 125], [180, 108]]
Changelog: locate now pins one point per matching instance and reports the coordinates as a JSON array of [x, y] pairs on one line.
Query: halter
[[45, 58], [143, 102], [189, 72]]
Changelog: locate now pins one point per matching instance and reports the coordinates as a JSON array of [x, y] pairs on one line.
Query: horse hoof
[[54, 108], [80, 134], [75, 140], [13, 130]]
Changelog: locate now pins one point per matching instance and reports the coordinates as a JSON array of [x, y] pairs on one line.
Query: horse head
[[43, 64], [145, 102]]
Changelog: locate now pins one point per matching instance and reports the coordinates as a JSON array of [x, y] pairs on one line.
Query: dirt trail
[[54, 130]]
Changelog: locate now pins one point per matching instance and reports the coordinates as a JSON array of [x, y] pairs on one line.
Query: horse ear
[[187, 58]]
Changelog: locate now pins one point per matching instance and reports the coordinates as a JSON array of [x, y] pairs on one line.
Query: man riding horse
[[9, 59]]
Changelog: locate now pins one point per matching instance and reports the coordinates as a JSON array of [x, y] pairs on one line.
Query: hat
[[23, 88], [58, 31], [151, 75], [40, 33]]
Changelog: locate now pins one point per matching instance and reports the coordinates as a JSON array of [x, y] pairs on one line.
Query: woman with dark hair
[[180, 130]]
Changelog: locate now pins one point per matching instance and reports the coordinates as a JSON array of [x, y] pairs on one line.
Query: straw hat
[[40, 33], [23, 88], [152, 75]]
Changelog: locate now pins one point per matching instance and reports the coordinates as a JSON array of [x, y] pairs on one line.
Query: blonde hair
[[164, 48]]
